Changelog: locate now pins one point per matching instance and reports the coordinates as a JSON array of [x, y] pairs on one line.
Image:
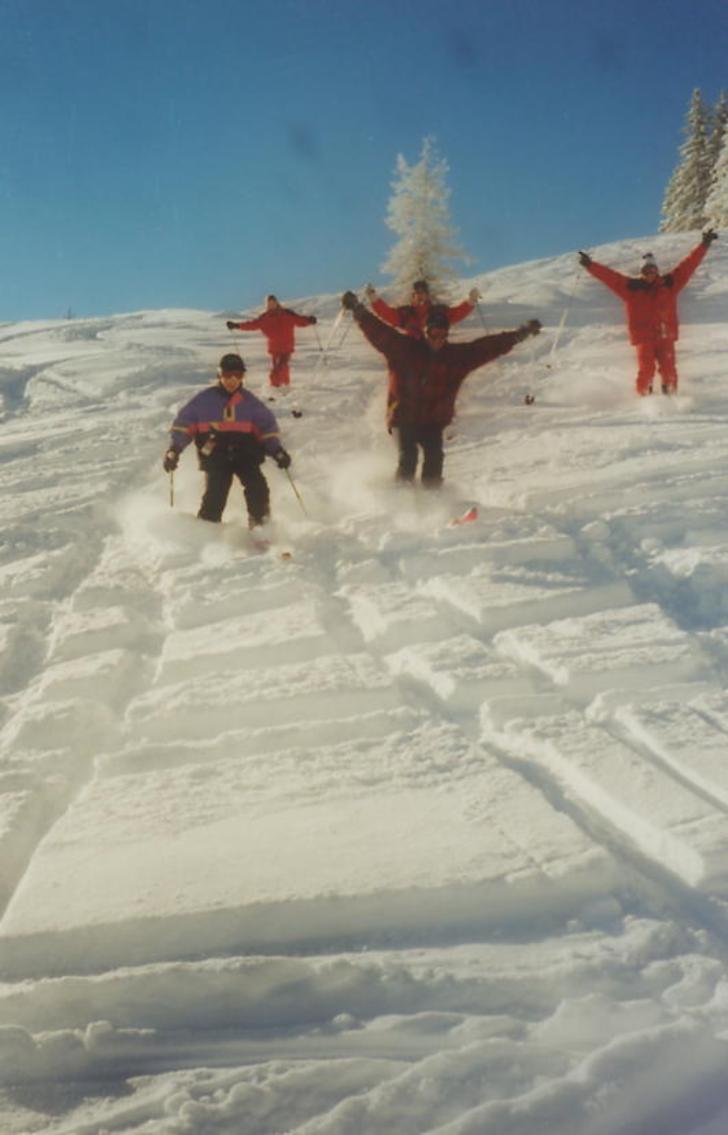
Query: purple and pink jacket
[[213, 409]]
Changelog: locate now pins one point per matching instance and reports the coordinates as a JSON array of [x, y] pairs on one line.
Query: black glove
[[584, 258], [531, 327], [350, 301], [230, 325], [171, 460], [282, 458], [709, 236], [312, 319]]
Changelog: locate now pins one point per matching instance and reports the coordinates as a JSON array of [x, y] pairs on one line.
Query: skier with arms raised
[[412, 317], [650, 302], [425, 376]]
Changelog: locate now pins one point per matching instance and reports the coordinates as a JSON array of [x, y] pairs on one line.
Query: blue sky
[[201, 153]]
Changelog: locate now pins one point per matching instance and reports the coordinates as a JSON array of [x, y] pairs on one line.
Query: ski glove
[[531, 327], [473, 296], [370, 292], [282, 458], [350, 301], [709, 236], [171, 460], [230, 325], [584, 258], [312, 320]]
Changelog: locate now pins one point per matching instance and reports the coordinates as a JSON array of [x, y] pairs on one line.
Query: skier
[[651, 306], [233, 432], [278, 325], [424, 378], [412, 317]]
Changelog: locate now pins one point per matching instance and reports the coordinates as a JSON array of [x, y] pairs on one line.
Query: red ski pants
[[656, 355], [279, 372]]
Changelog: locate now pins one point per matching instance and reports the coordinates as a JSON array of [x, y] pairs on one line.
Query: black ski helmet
[[232, 364], [421, 286]]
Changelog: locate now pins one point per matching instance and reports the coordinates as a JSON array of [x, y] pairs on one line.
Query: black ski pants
[[219, 478], [410, 440]]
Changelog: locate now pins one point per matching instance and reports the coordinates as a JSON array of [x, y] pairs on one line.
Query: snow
[[419, 829]]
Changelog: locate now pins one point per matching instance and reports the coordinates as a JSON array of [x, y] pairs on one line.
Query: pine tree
[[418, 213], [683, 208], [716, 205], [718, 123]]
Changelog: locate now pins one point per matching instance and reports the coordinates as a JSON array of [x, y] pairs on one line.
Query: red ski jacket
[[424, 383], [651, 306], [411, 318], [278, 328]]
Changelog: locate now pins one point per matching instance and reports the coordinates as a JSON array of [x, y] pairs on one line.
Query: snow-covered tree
[[683, 208], [716, 204], [418, 213], [718, 123]]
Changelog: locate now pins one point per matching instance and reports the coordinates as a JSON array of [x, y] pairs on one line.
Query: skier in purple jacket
[[234, 432]]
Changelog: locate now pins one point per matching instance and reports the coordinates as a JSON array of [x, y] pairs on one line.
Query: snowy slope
[[422, 829]]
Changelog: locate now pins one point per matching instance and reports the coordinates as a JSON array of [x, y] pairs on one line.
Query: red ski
[[471, 514]]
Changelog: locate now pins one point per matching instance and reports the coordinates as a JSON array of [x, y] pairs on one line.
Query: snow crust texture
[[387, 825]]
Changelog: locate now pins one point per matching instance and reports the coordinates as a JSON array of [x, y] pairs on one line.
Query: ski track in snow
[[423, 829]]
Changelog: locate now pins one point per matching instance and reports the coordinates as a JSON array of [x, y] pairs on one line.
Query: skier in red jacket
[[277, 324], [425, 376], [412, 317], [651, 305]]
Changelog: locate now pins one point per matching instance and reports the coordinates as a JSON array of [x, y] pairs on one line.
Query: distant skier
[[425, 376], [412, 317], [278, 325], [651, 305], [233, 432]]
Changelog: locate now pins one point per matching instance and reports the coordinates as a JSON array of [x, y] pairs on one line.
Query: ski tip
[[466, 518]]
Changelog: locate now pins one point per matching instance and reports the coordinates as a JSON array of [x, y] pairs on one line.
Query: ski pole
[[334, 328], [564, 314], [297, 494], [321, 349], [171, 488], [481, 317], [236, 344], [324, 349], [347, 329]]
